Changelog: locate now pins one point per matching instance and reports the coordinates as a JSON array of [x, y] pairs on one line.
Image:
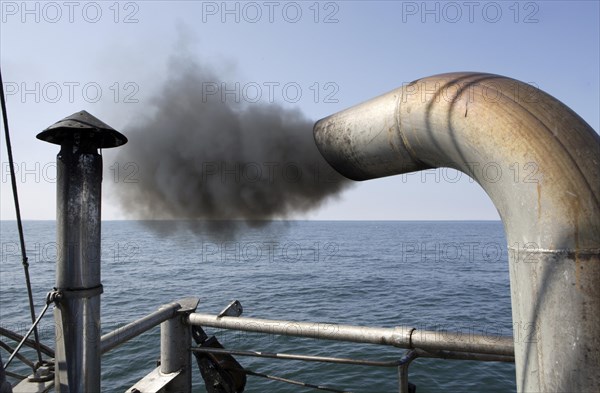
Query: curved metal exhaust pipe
[[540, 164]]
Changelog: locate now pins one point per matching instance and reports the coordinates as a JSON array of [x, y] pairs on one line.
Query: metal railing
[[401, 337], [419, 343], [177, 318]]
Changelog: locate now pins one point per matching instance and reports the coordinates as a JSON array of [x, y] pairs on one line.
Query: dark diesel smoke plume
[[204, 157]]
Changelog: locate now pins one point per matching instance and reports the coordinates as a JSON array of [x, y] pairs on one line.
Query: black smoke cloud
[[215, 162]]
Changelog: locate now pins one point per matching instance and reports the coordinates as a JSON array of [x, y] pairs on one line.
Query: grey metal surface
[[187, 305], [26, 386], [77, 320], [291, 356], [233, 309], [103, 135], [78, 200], [125, 333], [403, 385], [402, 337], [459, 355], [461, 342], [175, 343], [539, 163], [154, 382]]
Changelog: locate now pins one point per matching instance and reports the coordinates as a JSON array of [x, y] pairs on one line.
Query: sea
[[435, 275]]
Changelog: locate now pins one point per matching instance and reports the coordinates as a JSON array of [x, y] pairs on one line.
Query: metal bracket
[[59, 294], [154, 382], [26, 386], [188, 305], [233, 309]]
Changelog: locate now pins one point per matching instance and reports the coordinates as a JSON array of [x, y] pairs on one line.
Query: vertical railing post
[[175, 344], [403, 385], [78, 205]]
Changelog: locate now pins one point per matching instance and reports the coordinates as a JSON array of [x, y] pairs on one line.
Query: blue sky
[[110, 58]]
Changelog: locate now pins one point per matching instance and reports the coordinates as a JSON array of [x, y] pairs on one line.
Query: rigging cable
[[293, 382], [18, 216]]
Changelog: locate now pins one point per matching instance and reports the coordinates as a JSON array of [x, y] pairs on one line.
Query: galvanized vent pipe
[[540, 164], [78, 285]]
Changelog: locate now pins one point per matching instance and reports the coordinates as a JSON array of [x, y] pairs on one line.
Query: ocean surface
[[446, 276]]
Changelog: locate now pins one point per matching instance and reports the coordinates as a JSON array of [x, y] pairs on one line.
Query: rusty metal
[[78, 201], [539, 163], [99, 134]]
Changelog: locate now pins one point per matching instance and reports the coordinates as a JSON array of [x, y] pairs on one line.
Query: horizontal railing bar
[[306, 358], [359, 362], [402, 337], [462, 342], [137, 327], [454, 355], [293, 382]]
